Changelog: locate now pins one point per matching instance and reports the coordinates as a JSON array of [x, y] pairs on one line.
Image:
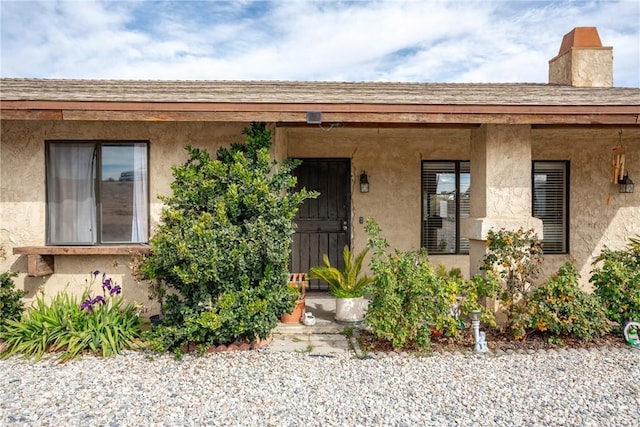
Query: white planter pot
[[350, 310]]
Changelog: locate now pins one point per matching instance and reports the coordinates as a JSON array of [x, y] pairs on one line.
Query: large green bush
[[103, 325], [409, 300], [512, 265], [224, 243], [561, 308], [10, 299], [616, 280]]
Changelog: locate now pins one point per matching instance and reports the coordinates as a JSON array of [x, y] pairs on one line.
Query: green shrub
[[102, 325], [224, 243], [560, 307], [409, 300], [467, 294], [10, 299], [512, 265], [616, 280]]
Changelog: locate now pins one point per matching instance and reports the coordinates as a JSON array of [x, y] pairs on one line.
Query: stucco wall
[[22, 190], [599, 214], [583, 67], [392, 159]]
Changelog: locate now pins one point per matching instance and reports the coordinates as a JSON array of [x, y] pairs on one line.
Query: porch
[[322, 339]]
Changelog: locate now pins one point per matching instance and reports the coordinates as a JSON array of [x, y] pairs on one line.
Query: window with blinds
[[445, 200], [551, 204]]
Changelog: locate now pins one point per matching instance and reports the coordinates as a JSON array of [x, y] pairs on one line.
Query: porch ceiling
[[286, 103]]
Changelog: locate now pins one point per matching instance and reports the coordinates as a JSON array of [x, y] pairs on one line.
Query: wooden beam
[[410, 118], [82, 250], [303, 107], [31, 114], [40, 265]]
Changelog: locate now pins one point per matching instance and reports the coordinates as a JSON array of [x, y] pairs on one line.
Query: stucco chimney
[[582, 60]]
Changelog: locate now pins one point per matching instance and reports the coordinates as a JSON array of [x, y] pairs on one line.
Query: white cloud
[[493, 41]]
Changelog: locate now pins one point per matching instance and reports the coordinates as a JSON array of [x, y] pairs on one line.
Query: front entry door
[[323, 223]]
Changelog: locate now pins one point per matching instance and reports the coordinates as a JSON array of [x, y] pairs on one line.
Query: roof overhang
[[344, 113]]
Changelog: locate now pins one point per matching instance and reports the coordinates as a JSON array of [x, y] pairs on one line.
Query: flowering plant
[[101, 325], [109, 288]]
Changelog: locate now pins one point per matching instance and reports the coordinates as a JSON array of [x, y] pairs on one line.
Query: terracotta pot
[[296, 315]]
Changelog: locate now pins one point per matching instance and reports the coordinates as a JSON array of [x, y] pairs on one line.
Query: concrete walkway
[[323, 339]]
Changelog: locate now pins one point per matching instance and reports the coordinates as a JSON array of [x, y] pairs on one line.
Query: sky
[[385, 41]]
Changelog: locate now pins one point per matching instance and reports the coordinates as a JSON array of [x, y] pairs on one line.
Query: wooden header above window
[[40, 261]]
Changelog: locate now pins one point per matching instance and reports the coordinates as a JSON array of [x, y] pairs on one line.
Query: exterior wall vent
[[314, 117]]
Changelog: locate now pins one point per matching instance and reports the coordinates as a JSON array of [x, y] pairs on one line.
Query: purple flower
[[106, 284], [87, 305], [95, 273], [115, 290], [98, 299]]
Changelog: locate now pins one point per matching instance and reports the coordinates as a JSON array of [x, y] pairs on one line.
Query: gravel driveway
[[261, 388]]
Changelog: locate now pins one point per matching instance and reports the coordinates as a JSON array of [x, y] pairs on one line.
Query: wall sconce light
[[364, 182], [626, 185]]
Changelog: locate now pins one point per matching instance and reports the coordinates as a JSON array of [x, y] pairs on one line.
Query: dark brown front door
[[323, 223]]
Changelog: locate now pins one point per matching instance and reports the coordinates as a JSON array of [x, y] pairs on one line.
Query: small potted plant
[[297, 289], [347, 285]]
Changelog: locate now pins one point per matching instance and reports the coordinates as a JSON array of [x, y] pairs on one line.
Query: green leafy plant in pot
[[297, 289], [347, 285]]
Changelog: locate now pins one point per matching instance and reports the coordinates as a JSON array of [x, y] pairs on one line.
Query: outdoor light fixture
[[364, 182], [479, 337], [626, 185]]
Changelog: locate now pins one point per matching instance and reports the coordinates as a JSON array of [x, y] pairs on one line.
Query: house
[[436, 164]]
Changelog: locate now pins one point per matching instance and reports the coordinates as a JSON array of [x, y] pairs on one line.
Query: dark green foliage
[[512, 265], [66, 327], [10, 299], [409, 300], [224, 243], [561, 308], [616, 280]]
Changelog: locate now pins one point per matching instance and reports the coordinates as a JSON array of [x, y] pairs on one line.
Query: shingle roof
[[12, 89]]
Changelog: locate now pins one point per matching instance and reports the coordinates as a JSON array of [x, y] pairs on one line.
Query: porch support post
[[500, 186]]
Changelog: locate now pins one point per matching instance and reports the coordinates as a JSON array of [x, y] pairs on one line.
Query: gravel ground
[[259, 388]]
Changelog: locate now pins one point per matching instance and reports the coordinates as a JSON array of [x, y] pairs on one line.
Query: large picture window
[[97, 193], [551, 204], [445, 200]]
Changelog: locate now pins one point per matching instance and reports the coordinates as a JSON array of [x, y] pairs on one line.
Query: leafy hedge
[[561, 308], [616, 279], [10, 299], [410, 301], [224, 244]]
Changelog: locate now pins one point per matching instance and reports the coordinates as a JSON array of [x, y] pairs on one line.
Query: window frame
[[565, 200], [97, 187], [457, 173]]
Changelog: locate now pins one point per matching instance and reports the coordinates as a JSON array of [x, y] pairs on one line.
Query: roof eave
[[331, 112]]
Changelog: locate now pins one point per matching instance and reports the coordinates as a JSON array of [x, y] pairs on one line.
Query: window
[[445, 200], [97, 193], [551, 204]]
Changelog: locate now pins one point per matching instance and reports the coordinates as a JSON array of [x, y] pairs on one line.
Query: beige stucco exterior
[[582, 60], [501, 195], [590, 67], [22, 191]]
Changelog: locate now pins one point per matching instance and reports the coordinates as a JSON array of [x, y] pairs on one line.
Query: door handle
[[345, 226]]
